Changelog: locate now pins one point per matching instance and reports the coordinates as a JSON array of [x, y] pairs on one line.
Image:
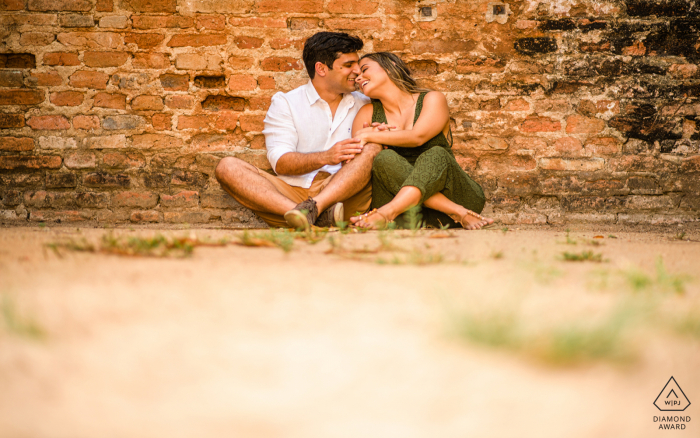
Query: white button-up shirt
[[300, 121]]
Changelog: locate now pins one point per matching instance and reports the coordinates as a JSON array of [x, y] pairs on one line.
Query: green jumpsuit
[[431, 168]]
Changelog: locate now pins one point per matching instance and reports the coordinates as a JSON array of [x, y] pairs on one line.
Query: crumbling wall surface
[[117, 111]]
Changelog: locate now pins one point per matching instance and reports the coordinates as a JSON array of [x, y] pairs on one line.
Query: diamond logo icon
[[672, 397]]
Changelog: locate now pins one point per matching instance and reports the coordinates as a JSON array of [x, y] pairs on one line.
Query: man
[[323, 175]]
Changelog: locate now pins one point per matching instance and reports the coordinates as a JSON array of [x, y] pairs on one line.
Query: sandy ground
[[252, 342]]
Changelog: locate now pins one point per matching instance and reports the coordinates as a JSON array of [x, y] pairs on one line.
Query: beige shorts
[[358, 202]]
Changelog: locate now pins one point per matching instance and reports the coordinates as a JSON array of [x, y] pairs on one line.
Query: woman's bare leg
[[457, 212], [406, 198]]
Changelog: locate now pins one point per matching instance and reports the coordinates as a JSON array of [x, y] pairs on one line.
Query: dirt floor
[[487, 333]]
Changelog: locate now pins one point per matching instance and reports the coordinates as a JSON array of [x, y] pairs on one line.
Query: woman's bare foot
[[373, 220], [471, 220]]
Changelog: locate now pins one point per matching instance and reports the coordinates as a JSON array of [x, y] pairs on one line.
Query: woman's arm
[[431, 122], [364, 116]]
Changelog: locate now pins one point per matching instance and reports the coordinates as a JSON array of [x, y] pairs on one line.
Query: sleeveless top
[[412, 154]]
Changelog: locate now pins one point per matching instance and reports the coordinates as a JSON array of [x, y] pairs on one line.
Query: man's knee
[[228, 167]]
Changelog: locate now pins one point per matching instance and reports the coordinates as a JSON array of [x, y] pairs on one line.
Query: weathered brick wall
[[118, 110]]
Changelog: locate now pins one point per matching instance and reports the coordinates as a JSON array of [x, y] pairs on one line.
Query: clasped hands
[[344, 151]]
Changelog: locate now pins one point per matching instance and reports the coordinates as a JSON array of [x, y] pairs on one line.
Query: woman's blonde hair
[[397, 70]]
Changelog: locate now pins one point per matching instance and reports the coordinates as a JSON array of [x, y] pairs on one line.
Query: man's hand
[[343, 151]]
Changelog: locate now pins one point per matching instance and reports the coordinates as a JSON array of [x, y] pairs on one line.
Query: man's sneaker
[[303, 215], [332, 216]]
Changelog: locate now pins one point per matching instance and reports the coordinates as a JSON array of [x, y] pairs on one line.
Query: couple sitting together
[[359, 158]]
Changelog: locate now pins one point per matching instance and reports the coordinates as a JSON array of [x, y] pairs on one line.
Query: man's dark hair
[[326, 47]]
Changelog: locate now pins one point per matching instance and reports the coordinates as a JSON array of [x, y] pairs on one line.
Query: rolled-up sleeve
[[280, 133]]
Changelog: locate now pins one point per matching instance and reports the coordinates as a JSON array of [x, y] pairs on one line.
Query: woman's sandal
[[370, 213], [476, 215]]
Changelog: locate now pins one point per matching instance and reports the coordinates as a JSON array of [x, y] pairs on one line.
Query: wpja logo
[[672, 398]]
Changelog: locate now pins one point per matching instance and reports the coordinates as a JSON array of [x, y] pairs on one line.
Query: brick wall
[[119, 110]]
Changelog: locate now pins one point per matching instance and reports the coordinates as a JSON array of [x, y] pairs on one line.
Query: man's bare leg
[[243, 182], [350, 179]]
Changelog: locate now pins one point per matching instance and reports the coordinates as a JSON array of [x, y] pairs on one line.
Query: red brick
[[580, 165], [285, 43], [247, 42], [540, 124], [156, 141], [61, 58], [252, 123], [186, 198], [442, 46], [504, 163], [603, 146], [578, 124], [568, 146], [36, 38], [21, 97], [258, 160], [211, 22], [267, 83], [150, 5], [517, 105], [128, 159], [636, 49], [144, 40], [105, 59], [179, 102], [11, 121], [683, 71], [11, 79], [241, 63], [91, 40], [480, 65], [603, 106], [197, 40], [227, 120], [30, 162], [47, 79], [144, 102], [150, 61], [294, 6], [161, 22], [49, 122], [89, 79], [304, 23], [145, 216], [86, 122], [278, 23], [258, 142], [354, 7], [173, 82], [162, 122], [59, 5], [104, 6], [102, 179], [16, 144], [11, 5], [66, 98], [190, 217], [353, 23], [107, 100], [80, 160], [242, 82], [260, 103], [135, 199], [192, 122], [281, 64]]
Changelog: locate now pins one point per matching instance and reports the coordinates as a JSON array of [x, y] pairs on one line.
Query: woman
[[417, 166]]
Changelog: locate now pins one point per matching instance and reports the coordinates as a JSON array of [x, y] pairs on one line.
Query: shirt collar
[[313, 96]]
